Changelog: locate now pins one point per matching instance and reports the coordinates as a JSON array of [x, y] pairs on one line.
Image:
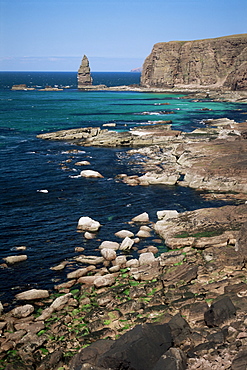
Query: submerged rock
[[15, 259]]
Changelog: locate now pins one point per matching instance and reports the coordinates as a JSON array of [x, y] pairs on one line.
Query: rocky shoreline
[[186, 306], [181, 309]]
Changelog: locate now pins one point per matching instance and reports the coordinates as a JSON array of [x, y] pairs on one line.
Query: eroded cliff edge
[[214, 63]]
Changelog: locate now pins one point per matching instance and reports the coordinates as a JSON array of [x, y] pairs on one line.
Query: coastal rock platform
[[212, 159]]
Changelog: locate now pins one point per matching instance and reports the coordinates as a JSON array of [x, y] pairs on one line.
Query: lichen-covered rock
[[211, 62]]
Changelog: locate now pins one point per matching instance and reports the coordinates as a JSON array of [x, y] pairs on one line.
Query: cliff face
[[213, 63], [84, 76]]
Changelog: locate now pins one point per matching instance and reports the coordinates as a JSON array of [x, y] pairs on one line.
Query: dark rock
[[138, 349], [201, 349], [217, 338], [180, 329], [51, 361], [173, 359], [90, 354], [219, 312], [240, 361]]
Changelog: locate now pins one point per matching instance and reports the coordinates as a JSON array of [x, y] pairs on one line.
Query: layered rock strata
[[84, 77], [212, 63]]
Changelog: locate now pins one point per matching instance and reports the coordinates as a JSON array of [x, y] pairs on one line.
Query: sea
[[42, 194]]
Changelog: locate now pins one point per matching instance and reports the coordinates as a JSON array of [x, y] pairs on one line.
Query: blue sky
[[116, 35]]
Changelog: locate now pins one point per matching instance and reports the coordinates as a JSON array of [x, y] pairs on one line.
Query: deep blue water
[[46, 222]]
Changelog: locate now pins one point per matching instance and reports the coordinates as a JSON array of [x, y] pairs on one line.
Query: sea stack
[[84, 77]]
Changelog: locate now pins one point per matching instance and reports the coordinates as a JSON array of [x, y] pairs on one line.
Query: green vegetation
[[202, 234]]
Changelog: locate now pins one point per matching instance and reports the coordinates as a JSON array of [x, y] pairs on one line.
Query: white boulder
[[146, 258], [91, 173], [123, 233], [126, 244], [108, 254], [88, 224], [109, 245], [143, 217]]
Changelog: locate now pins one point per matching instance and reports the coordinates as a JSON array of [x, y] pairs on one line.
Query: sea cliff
[[214, 63]]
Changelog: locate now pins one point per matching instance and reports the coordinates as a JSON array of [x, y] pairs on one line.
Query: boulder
[[32, 294], [123, 233], [88, 224], [60, 302], [126, 244], [105, 280], [89, 355], [1, 308], [138, 349], [146, 258], [89, 236], [180, 329], [108, 254], [143, 217], [219, 312], [173, 359], [240, 360], [15, 259], [77, 273], [109, 245], [91, 173], [133, 263], [120, 260], [22, 311], [143, 234]]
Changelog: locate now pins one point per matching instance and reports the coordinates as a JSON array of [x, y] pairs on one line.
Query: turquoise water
[[46, 222]]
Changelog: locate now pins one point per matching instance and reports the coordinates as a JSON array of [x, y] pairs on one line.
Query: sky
[[116, 35]]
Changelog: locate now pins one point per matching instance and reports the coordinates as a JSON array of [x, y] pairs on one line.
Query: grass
[[202, 234]]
